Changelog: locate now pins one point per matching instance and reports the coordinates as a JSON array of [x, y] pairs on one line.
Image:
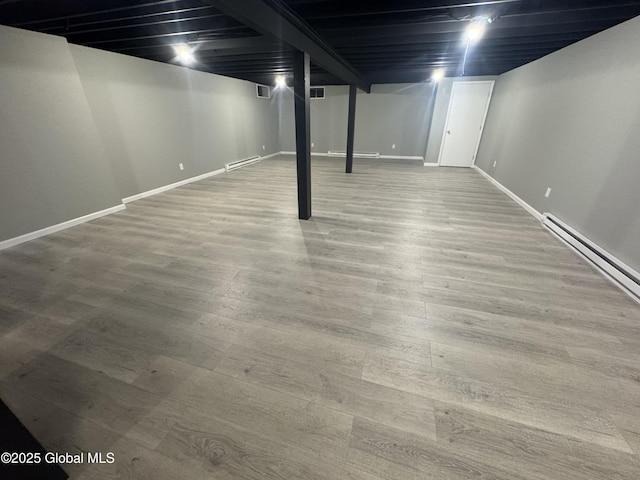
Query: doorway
[[465, 120]]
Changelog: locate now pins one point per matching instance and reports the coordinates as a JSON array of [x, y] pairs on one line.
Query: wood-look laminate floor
[[420, 326]]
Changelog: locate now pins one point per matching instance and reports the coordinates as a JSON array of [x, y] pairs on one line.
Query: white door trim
[[484, 118]]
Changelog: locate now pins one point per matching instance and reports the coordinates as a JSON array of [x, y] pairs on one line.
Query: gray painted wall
[[391, 114], [83, 128], [53, 166], [570, 121], [153, 116]]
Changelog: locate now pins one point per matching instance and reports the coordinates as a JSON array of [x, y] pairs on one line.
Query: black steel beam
[[401, 16], [507, 26], [71, 16], [351, 126], [235, 43], [301, 84], [165, 24], [342, 9], [277, 19], [185, 36], [223, 46]]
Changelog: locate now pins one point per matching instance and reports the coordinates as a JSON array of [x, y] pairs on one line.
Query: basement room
[[320, 240]]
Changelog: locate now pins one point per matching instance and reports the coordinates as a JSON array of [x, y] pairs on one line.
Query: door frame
[[484, 118]]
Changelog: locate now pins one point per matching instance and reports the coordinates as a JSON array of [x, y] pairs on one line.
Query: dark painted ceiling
[[385, 41]]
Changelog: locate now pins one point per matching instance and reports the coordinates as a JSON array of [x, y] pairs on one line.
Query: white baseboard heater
[[333, 153], [241, 163], [623, 275]]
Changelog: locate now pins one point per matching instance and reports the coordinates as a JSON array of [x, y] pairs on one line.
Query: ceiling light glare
[[437, 75], [475, 31], [184, 54], [281, 82]]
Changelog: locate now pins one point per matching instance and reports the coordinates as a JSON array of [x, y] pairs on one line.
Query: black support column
[[301, 84], [351, 126]]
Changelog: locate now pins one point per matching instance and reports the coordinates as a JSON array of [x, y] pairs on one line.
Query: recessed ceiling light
[[476, 29], [281, 82], [437, 75], [184, 54]]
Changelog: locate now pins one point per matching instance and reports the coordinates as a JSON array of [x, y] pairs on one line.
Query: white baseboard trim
[[355, 155], [270, 155], [92, 216], [313, 154], [60, 226], [171, 186], [622, 275], [343, 154], [401, 157], [431, 164], [532, 211]]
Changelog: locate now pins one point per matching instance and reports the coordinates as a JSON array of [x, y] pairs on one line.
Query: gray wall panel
[[153, 116], [570, 121], [391, 114], [52, 163], [83, 128]]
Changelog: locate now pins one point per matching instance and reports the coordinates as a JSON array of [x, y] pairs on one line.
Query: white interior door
[[465, 119]]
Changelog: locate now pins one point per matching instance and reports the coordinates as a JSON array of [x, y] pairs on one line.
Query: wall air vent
[[622, 275], [316, 92], [241, 163], [263, 91]]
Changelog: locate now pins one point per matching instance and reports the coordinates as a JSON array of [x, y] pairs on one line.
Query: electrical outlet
[[393, 146], [495, 163], [313, 144], [547, 193], [181, 166], [263, 147]]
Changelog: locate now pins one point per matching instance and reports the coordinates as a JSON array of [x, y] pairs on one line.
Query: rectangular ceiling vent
[[263, 91], [241, 163], [333, 153], [316, 92], [622, 275]]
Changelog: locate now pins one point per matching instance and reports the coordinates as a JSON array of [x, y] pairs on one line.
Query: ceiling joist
[[359, 42]]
